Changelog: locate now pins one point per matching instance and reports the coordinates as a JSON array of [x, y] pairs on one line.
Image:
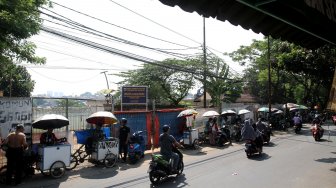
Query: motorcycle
[[266, 134], [136, 148], [237, 132], [251, 148], [317, 131], [297, 128], [223, 136], [159, 168]]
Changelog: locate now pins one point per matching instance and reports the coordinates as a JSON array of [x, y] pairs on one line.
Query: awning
[[309, 23]]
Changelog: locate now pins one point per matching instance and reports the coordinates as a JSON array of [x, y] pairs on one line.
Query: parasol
[[266, 109], [210, 113], [229, 113], [243, 111], [50, 121], [102, 117], [299, 107], [187, 112]]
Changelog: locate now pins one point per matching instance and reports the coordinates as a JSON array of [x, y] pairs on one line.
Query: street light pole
[[104, 72]]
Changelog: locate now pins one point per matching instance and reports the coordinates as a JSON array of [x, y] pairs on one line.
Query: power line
[[69, 82], [122, 53], [120, 26], [155, 22], [108, 36]]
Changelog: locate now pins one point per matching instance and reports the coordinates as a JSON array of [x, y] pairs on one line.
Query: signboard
[[14, 111], [134, 94]]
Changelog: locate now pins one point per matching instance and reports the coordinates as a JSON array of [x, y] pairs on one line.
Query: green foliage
[[19, 20], [297, 74], [220, 83], [165, 84]]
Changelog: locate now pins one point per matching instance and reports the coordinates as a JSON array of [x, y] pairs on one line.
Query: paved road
[[289, 161]]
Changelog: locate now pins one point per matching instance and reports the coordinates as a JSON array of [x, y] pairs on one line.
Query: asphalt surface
[[289, 161]]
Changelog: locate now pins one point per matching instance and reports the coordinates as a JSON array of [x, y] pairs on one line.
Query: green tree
[[164, 83], [220, 82], [297, 74], [19, 20]]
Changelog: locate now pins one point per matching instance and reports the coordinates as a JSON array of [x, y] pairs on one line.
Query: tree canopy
[[297, 74], [19, 20]]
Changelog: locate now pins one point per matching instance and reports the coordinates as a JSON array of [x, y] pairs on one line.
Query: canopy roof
[[309, 23]]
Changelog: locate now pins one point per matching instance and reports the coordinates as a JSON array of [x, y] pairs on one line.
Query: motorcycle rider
[[249, 133], [167, 142], [297, 120], [317, 121], [261, 126]]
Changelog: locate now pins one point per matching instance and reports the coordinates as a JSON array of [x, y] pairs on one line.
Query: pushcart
[[49, 160], [101, 152], [190, 138]]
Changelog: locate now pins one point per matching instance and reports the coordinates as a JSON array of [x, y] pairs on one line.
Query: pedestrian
[[214, 129], [124, 135], [16, 142], [207, 128]]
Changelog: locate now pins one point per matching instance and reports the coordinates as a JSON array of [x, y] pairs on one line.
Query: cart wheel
[[3, 171], [82, 155], [73, 162], [196, 144], [110, 160], [57, 169]]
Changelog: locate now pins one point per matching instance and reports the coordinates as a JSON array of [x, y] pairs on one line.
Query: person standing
[[213, 134], [16, 142], [124, 134]]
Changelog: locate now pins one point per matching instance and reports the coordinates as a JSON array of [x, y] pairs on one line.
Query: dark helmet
[[165, 128], [124, 120]]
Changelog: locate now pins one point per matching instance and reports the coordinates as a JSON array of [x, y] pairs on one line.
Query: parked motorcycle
[[237, 132], [223, 136], [159, 168], [251, 148], [317, 131], [136, 148]]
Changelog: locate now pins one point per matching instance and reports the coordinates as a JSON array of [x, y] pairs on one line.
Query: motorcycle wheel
[[316, 137], [3, 174], [248, 154], [180, 168], [154, 178], [196, 144], [297, 130]]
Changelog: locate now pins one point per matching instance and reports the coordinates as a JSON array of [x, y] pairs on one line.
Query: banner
[[14, 111]]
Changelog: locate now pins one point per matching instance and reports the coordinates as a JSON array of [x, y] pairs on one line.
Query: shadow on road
[[172, 181], [264, 156], [271, 144], [99, 172], [327, 160]]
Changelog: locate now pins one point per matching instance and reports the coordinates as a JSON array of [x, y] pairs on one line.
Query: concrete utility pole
[[269, 77], [205, 66]]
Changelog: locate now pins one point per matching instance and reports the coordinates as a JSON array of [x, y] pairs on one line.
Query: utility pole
[[269, 77], [205, 66]]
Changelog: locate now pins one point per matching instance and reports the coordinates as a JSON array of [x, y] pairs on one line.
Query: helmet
[[123, 120], [165, 128]]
